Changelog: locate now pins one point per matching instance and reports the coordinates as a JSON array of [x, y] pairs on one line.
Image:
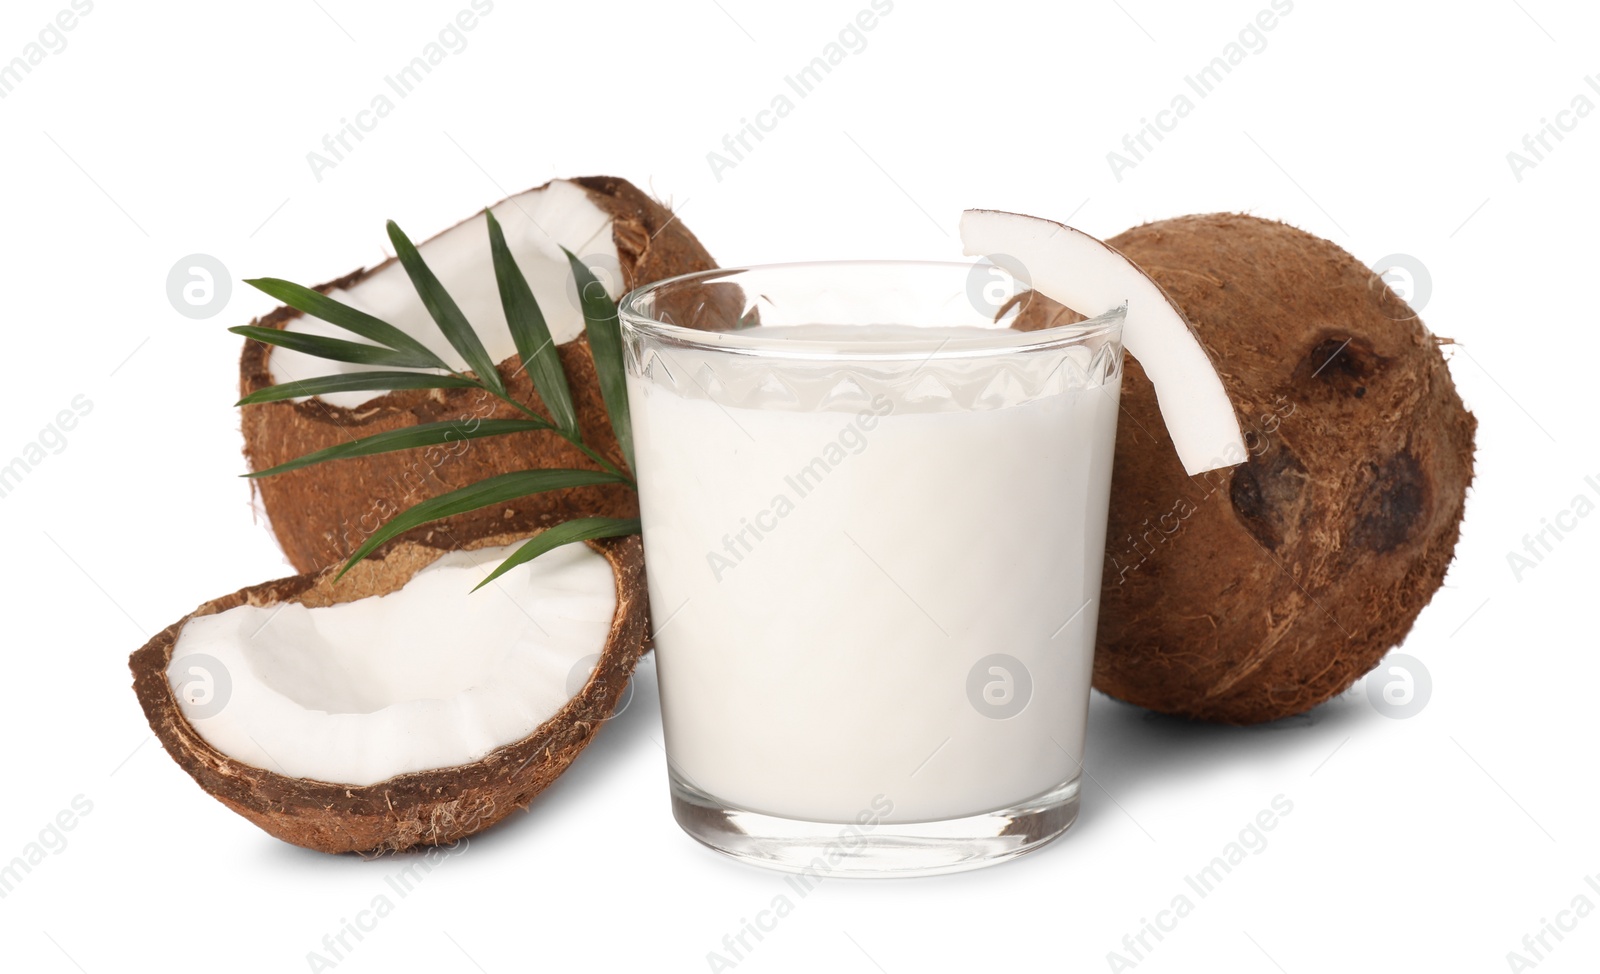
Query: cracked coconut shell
[[1259, 591], [322, 513], [426, 808]]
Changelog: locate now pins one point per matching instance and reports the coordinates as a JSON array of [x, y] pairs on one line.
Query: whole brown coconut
[[322, 513], [427, 808], [1259, 591]]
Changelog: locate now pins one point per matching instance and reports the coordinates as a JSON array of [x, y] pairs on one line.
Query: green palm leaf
[[446, 313], [605, 343], [484, 493], [410, 438], [578, 529], [319, 305], [530, 332], [356, 382], [336, 349]]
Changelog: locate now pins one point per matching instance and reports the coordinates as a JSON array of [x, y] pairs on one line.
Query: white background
[[168, 129]]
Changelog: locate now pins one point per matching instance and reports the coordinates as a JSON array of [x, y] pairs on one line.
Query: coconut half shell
[[421, 809], [1257, 592], [321, 514]]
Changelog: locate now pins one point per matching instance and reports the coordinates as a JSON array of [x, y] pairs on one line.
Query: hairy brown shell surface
[[322, 513], [1259, 591], [427, 808]]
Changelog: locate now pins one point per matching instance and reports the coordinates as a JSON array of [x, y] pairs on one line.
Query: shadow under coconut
[[628, 732], [1131, 750]]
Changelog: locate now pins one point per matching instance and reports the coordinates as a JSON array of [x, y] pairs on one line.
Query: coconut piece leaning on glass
[[1252, 578]]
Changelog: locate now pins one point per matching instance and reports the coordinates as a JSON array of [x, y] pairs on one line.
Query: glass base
[[823, 850]]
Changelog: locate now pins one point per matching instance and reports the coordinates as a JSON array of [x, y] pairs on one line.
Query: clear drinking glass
[[874, 521]]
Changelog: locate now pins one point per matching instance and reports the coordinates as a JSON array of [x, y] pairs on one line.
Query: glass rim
[[997, 341]]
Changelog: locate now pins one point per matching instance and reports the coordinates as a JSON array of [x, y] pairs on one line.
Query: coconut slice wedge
[[321, 514], [395, 708], [1090, 277]]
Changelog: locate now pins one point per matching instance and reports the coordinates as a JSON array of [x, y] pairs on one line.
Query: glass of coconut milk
[[874, 521]]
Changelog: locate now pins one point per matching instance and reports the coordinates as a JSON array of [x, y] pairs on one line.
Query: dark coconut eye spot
[[1266, 493], [1392, 506], [1339, 364]]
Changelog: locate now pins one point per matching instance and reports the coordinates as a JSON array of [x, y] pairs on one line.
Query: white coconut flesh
[[537, 225], [1090, 277], [429, 676]]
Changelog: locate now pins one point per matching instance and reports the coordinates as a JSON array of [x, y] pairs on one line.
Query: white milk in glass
[[874, 590]]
